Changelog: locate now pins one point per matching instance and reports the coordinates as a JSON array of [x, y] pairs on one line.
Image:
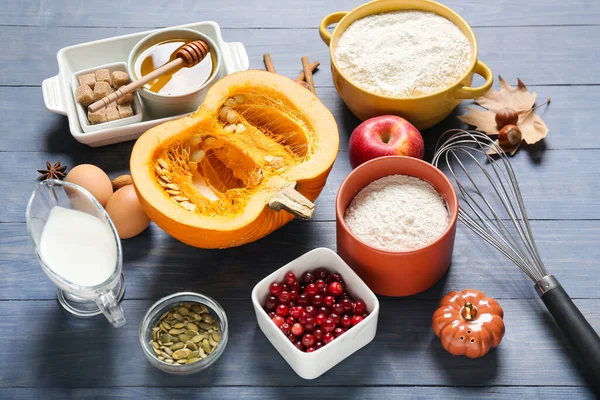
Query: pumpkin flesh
[[228, 177]]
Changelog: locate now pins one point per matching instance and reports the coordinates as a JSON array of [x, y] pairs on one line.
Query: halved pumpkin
[[254, 155]]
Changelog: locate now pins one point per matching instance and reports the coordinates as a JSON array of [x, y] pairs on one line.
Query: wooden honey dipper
[[187, 56]]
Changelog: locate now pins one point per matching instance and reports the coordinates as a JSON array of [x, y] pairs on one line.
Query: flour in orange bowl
[[397, 213]]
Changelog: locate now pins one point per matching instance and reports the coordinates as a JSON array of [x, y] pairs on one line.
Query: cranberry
[[303, 300], [318, 345], [335, 318], [290, 320], [323, 310], [297, 329], [345, 321], [275, 288], [310, 349], [284, 297], [356, 319], [308, 340], [296, 311], [292, 304], [347, 304], [282, 310], [278, 320], [291, 338], [320, 318], [295, 286], [323, 291], [311, 290], [285, 287], [344, 295], [285, 328], [299, 345], [310, 324], [302, 318], [335, 289], [338, 331], [290, 278], [321, 273], [271, 303], [328, 325], [317, 300], [327, 338], [359, 307], [334, 277], [328, 301], [308, 277], [271, 314], [310, 311], [318, 334], [337, 308], [321, 283], [293, 295]]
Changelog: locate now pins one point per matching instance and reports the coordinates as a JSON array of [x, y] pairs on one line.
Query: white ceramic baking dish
[[58, 96]]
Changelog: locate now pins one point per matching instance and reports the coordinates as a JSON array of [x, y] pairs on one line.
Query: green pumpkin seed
[[179, 325], [197, 317], [204, 325], [201, 353], [206, 346], [174, 340], [183, 338], [165, 337], [169, 361], [177, 346], [168, 351], [193, 354], [212, 342], [191, 345], [175, 331], [192, 326], [181, 353], [198, 338], [192, 360], [178, 316], [216, 335], [183, 311], [191, 334], [182, 361], [166, 326], [155, 345], [157, 351], [161, 358], [207, 318]]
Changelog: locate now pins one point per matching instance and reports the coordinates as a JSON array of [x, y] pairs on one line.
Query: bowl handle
[[328, 20], [52, 93], [467, 92]]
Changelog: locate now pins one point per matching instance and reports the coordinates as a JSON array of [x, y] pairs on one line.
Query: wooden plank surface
[[47, 354], [547, 52], [277, 13], [568, 248], [296, 393], [90, 353]]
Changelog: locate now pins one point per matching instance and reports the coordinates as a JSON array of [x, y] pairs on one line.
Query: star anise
[[55, 171]]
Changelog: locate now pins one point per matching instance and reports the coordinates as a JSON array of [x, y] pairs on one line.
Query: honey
[[182, 80]]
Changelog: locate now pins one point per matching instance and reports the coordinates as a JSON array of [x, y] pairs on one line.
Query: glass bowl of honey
[[180, 91]]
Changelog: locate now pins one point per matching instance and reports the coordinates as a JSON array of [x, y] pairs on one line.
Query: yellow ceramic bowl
[[421, 111]]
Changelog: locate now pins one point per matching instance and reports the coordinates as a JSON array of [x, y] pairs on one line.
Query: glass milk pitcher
[[78, 248]]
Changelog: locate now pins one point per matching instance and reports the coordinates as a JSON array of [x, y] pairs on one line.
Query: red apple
[[386, 135]]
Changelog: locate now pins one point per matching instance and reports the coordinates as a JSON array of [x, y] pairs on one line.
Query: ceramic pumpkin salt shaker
[[468, 323]]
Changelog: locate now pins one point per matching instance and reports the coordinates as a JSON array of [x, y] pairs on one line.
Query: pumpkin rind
[[472, 338], [298, 116]]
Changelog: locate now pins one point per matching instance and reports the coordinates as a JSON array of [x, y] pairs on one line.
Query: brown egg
[[126, 212], [93, 179]]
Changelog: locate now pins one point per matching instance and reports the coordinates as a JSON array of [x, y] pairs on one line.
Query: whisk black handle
[[582, 337]]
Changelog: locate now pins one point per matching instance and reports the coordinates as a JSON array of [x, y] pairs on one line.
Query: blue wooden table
[[44, 353]]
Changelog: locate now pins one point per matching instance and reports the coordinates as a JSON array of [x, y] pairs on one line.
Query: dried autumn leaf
[[517, 98]]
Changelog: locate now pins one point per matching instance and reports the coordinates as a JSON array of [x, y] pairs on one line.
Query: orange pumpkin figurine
[[468, 323]]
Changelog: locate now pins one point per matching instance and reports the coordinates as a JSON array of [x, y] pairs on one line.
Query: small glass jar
[[167, 303]]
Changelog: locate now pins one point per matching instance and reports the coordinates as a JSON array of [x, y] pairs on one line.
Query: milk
[[78, 246]]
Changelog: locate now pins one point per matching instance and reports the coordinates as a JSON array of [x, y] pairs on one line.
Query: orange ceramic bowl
[[396, 273]]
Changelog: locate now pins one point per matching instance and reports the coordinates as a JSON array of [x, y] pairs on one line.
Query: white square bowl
[[86, 126], [313, 365]]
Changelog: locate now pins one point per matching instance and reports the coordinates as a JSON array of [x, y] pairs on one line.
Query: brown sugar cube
[[120, 78], [126, 99], [84, 95], [125, 110], [101, 90], [87, 79], [112, 114], [98, 117], [103, 75]]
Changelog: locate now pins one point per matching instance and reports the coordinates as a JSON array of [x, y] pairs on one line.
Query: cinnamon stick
[[308, 74], [269, 63], [313, 67]]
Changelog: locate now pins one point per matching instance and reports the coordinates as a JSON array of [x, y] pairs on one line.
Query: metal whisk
[[490, 204]]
